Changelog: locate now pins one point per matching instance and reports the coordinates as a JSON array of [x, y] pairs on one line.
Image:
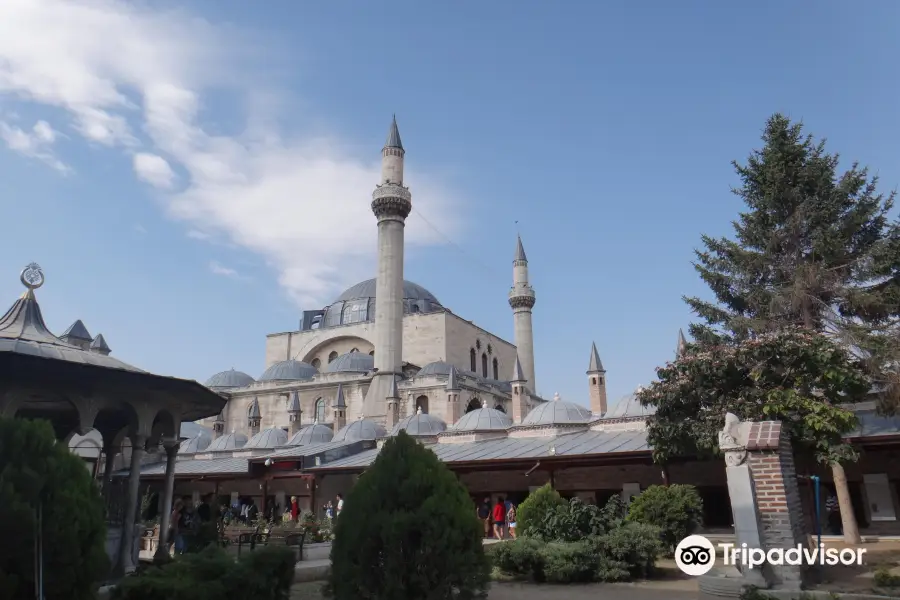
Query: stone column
[[162, 549], [126, 551], [109, 458]]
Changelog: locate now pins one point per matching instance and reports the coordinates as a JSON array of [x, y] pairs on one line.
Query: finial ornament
[[556, 397], [32, 276], [419, 410]]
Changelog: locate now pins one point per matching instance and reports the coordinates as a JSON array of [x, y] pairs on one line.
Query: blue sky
[[190, 180]]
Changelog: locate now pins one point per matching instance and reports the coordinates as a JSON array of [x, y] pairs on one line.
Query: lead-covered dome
[[229, 379], [312, 434], [198, 443], [272, 437], [352, 362], [287, 370], [357, 303], [629, 407], [362, 429], [557, 412], [420, 425], [229, 441], [483, 419]]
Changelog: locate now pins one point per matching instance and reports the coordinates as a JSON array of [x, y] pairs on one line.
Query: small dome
[[272, 437], [359, 430], [229, 379], [483, 419], [289, 370], [198, 443], [312, 434], [229, 441], [436, 368], [420, 424], [557, 412], [352, 362], [629, 406]]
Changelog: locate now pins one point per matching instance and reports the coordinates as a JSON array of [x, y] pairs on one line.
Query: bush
[[885, 579], [573, 562], [532, 511], [264, 574], [521, 557], [576, 520], [676, 509], [34, 470], [633, 547], [407, 530]]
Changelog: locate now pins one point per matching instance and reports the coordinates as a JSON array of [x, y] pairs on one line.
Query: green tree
[[535, 508], [677, 510], [408, 530], [36, 470]]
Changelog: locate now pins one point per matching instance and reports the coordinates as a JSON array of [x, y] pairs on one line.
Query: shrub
[[885, 579], [573, 562], [532, 511], [34, 470], [576, 520], [521, 557], [676, 509], [407, 530], [633, 547]]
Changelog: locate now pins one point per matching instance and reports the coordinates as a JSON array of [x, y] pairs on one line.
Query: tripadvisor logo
[[696, 555]]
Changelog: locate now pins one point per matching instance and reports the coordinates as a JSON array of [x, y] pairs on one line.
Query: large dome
[[357, 303], [229, 379], [420, 424], [287, 370], [198, 443], [629, 407], [352, 362], [557, 412], [360, 430], [483, 419], [312, 434], [229, 441], [267, 438]]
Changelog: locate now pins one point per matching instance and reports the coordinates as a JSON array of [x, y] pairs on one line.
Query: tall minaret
[[521, 299], [391, 203]]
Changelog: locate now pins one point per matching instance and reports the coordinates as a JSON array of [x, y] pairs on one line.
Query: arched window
[[316, 363], [320, 410], [496, 369], [484, 365], [472, 359], [372, 353], [474, 404], [594, 380], [332, 356], [422, 402], [355, 350], [500, 408]]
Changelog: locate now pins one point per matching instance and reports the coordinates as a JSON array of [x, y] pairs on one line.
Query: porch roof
[[198, 466]]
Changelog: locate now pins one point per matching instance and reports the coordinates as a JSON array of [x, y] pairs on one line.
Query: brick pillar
[[771, 461]]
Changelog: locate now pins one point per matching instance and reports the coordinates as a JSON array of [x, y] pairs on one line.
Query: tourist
[[252, 511], [174, 520], [329, 510], [833, 508], [340, 504], [185, 526], [203, 510], [511, 520], [484, 513], [295, 509], [499, 518]]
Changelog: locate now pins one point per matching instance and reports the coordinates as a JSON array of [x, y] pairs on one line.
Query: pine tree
[[408, 531]]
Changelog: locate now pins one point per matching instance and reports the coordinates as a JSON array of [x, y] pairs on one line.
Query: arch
[[422, 402], [496, 365], [474, 404], [332, 356], [316, 363], [472, 361], [354, 350], [372, 353], [165, 426], [484, 370], [500, 408], [60, 411], [594, 380], [320, 410]]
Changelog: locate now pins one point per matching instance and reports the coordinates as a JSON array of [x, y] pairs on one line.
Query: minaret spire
[[682, 344], [391, 203], [597, 382], [521, 300]]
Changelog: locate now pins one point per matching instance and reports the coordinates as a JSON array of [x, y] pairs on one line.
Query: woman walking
[[511, 520]]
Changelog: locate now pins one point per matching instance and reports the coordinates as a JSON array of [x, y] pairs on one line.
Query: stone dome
[[229, 379], [272, 437], [362, 429], [229, 441], [351, 362], [312, 434], [357, 303], [629, 407], [198, 443], [440, 367], [483, 419], [557, 412], [420, 424], [287, 370]]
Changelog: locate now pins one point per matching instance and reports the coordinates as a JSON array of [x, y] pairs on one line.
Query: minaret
[[340, 409], [454, 411], [519, 393], [597, 383], [393, 406], [294, 412], [521, 300], [219, 425], [254, 417], [682, 345], [391, 203]]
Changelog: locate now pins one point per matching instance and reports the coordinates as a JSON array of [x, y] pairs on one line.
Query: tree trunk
[[848, 517]]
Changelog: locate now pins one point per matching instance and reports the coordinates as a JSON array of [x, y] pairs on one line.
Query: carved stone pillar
[[171, 447], [109, 459], [126, 563]]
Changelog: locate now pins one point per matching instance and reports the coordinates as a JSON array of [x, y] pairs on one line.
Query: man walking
[[484, 513]]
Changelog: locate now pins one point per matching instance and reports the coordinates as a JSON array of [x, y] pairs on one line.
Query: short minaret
[[454, 410], [254, 417], [100, 346], [521, 300], [519, 393], [77, 335], [294, 412], [340, 409], [219, 426], [391, 203], [682, 345], [597, 383], [393, 406]]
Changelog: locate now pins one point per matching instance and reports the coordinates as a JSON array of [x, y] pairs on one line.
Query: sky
[[191, 179]]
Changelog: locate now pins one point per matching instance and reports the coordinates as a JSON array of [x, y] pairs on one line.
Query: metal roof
[[420, 424], [596, 365], [873, 425], [298, 452], [294, 403], [229, 379], [483, 419], [520, 250], [198, 443], [311, 435], [99, 343], [288, 370], [629, 406], [229, 441], [452, 384], [78, 331], [517, 371], [363, 429], [196, 466], [393, 138], [557, 412], [339, 401], [366, 289], [272, 437], [253, 409], [351, 362]]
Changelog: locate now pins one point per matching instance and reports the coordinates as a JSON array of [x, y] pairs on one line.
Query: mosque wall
[[464, 336]]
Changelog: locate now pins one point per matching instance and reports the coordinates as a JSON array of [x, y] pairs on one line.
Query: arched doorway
[[474, 404], [422, 403]]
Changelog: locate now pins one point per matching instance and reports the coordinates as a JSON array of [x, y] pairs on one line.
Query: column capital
[[171, 445]]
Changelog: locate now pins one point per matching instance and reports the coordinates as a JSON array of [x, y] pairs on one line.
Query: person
[[511, 520], [340, 504], [204, 513], [484, 513], [185, 526], [499, 518], [252, 511], [295, 509], [833, 508], [329, 510], [174, 520]]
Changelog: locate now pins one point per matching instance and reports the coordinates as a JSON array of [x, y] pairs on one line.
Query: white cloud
[[218, 269], [153, 169], [301, 204], [37, 143], [140, 229], [196, 234]]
